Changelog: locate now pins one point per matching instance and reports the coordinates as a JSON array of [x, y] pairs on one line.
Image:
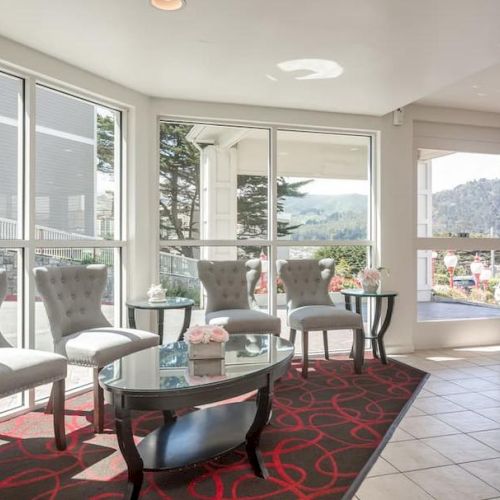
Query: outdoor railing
[[8, 231]]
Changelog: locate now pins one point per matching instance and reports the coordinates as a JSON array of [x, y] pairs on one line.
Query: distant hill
[[473, 207], [324, 217]]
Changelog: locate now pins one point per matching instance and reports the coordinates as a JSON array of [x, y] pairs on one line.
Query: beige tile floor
[[448, 444]]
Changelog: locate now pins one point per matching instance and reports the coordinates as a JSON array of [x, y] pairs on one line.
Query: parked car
[[465, 282]]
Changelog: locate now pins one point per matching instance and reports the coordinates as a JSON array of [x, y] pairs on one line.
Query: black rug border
[[349, 494]]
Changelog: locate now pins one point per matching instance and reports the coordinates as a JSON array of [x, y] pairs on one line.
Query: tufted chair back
[[72, 297], [3, 292], [306, 281], [230, 284]]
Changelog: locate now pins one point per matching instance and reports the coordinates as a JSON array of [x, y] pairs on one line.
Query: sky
[[458, 168]]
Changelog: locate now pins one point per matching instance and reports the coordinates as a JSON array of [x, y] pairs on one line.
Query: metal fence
[[8, 231]]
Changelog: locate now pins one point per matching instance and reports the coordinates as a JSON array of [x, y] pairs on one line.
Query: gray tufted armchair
[[80, 331], [22, 369], [311, 309], [230, 287]]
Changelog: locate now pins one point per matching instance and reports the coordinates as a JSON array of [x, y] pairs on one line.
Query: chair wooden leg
[[49, 409], [325, 344], [359, 350], [293, 334], [98, 404], [57, 396], [305, 353]]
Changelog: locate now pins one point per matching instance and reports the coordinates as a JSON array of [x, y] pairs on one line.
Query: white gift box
[[206, 359]]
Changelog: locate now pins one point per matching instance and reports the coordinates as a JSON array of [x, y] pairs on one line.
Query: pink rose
[[195, 335], [218, 334]]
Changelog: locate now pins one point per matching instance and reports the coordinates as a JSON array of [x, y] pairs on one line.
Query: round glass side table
[[378, 327], [168, 303]]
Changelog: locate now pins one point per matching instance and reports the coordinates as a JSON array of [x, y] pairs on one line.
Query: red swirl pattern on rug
[[322, 434]]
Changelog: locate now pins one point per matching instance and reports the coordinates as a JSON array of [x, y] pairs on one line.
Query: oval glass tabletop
[[359, 292], [165, 368], [168, 303]]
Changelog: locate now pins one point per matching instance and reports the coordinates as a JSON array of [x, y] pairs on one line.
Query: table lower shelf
[[197, 437]]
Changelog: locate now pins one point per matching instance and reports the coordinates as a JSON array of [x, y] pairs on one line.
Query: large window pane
[[323, 186], [213, 182], [11, 90], [458, 285], [10, 310], [77, 167], [77, 375], [458, 194]]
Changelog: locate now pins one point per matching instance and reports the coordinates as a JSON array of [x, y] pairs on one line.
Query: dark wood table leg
[[129, 451], [169, 416], [383, 329], [187, 322], [264, 407], [161, 316], [131, 317]]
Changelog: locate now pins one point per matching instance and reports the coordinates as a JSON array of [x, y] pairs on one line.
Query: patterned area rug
[[324, 435]]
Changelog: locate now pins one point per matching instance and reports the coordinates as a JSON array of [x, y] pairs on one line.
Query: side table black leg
[[348, 307], [187, 322], [264, 407], [383, 329], [129, 451], [160, 325], [376, 325], [131, 318]]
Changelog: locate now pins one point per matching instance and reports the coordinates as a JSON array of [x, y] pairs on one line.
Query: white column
[[218, 200]]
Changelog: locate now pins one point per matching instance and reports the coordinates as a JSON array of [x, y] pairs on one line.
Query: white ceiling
[[480, 91], [393, 51]]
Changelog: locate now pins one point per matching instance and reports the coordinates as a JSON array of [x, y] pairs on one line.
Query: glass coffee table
[[158, 379]]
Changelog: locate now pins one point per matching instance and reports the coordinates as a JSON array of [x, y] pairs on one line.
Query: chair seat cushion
[[245, 321], [308, 318], [100, 346], [22, 369]]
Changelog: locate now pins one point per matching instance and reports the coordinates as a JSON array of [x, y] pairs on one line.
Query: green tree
[[179, 185], [347, 259], [252, 201], [105, 143]]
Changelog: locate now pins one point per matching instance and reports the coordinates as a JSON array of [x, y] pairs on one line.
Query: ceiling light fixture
[[168, 4], [319, 69]]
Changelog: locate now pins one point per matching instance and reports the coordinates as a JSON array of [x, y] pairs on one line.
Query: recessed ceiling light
[[168, 4], [319, 69]]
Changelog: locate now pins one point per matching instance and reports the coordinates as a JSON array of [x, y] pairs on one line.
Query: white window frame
[[272, 242], [459, 144], [26, 244]]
